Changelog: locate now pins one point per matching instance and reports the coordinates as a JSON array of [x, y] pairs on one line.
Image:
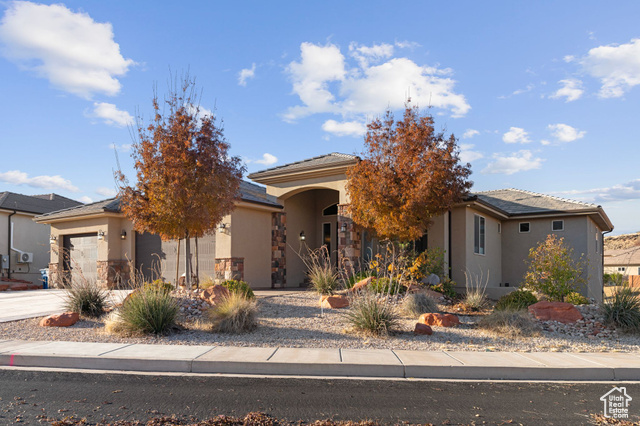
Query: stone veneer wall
[[113, 273], [278, 250], [349, 242], [229, 268], [56, 276]]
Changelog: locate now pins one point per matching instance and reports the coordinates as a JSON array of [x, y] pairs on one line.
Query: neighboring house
[[622, 261], [304, 204], [24, 245]]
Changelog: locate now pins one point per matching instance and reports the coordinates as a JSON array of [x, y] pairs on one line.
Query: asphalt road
[[28, 396]]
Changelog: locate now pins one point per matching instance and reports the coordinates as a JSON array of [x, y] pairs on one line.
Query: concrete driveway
[[18, 305]]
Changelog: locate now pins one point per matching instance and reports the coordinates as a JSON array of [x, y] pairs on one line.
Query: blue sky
[[543, 96]]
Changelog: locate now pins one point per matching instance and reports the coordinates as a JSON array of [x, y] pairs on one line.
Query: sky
[[543, 96]]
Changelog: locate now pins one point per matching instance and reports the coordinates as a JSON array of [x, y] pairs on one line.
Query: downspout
[[449, 232], [602, 275], [9, 242]]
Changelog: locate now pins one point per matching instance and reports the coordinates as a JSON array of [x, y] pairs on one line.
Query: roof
[[248, 192], [622, 257], [335, 159], [516, 201], [37, 204]]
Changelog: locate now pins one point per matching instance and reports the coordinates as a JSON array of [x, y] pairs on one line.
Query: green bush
[[160, 286], [614, 279], [234, 314], [553, 270], [446, 287], [622, 309], [371, 316], [86, 298], [353, 279], [576, 298], [516, 300], [510, 323], [384, 285], [239, 287], [416, 304], [149, 310]]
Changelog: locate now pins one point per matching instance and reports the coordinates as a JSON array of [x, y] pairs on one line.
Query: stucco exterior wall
[[487, 267], [458, 242], [29, 237], [286, 190], [300, 217], [251, 240], [594, 260]]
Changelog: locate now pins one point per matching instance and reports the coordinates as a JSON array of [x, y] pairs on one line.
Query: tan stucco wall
[[486, 268], [437, 235], [286, 190], [594, 260], [458, 242], [29, 237]]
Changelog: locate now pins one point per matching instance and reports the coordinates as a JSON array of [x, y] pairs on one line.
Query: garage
[[81, 257]]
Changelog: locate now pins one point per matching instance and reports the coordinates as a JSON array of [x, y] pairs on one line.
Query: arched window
[[332, 210]]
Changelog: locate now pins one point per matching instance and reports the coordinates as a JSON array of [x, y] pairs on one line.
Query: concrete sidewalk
[[322, 362]]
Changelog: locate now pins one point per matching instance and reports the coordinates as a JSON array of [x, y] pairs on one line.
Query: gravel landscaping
[[295, 319]]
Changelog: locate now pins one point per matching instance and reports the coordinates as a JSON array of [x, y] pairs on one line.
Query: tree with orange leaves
[[187, 182], [408, 175]]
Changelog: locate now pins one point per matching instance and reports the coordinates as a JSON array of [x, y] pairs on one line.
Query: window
[[524, 227], [478, 234], [499, 228], [331, 210], [621, 269], [557, 225]]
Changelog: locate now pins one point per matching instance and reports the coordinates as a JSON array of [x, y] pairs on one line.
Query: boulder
[[66, 319], [4, 287], [432, 279], [555, 311], [18, 287], [215, 294], [334, 302], [423, 329], [361, 284], [441, 320]]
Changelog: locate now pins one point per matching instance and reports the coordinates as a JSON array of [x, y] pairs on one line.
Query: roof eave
[[298, 174]]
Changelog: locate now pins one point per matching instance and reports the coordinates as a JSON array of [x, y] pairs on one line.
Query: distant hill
[[622, 241]]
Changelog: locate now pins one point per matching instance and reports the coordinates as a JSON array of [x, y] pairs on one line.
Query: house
[[24, 245], [625, 262], [304, 204]]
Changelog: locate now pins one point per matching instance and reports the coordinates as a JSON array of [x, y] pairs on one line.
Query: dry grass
[[510, 323], [417, 304], [234, 314]]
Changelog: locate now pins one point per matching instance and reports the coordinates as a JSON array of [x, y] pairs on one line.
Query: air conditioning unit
[[24, 257]]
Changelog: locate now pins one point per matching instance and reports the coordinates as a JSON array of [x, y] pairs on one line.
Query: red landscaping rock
[[441, 320], [423, 329], [62, 320], [334, 302], [215, 294], [555, 311], [361, 284], [4, 287], [18, 287], [34, 287]]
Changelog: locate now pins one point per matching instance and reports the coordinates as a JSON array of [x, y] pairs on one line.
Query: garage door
[[82, 257]]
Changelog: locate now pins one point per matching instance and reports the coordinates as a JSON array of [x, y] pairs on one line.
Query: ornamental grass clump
[[371, 316], [234, 314], [86, 298], [417, 304], [148, 310], [510, 323], [322, 274], [516, 301], [475, 297], [622, 309]]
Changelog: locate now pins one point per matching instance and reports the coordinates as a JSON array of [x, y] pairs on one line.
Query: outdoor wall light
[[302, 236], [343, 227], [222, 227], [123, 236], [101, 234], [53, 239]]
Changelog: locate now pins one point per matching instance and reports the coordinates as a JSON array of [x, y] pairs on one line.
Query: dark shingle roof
[[248, 192], [35, 203], [330, 160], [516, 202]]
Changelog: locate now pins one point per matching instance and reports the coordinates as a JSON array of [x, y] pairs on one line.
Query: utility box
[[4, 261]]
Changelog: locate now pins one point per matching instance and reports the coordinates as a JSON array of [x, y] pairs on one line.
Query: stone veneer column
[[278, 250], [229, 268], [113, 273], [56, 276], [349, 242]]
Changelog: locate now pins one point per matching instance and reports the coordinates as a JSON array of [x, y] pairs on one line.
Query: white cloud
[[267, 159], [468, 155], [111, 115], [85, 199], [470, 133], [345, 128], [516, 135], [565, 133], [326, 83], [106, 192], [516, 162], [246, 74], [71, 50], [569, 58], [545, 142], [125, 147], [17, 177], [571, 90], [621, 192], [617, 67]]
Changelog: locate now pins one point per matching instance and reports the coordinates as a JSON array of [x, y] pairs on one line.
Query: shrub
[[622, 309], [386, 285], [160, 285], [206, 283], [86, 298], [324, 277], [417, 304], [576, 298], [614, 279], [234, 314], [475, 298], [149, 310], [516, 300], [353, 279], [510, 323], [446, 287], [371, 316], [239, 287], [552, 269], [430, 261]]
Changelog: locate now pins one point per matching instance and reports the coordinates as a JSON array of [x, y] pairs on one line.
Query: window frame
[[479, 235], [520, 231], [557, 230]]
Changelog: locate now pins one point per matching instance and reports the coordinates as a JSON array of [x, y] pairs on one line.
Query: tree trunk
[[187, 260], [178, 265], [197, 265]]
